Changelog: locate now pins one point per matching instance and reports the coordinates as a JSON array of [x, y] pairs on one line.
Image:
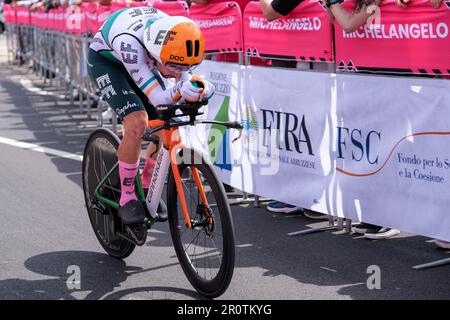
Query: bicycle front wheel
[[206, 251]]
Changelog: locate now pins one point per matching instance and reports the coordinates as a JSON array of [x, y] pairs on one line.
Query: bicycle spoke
[[198, 233]]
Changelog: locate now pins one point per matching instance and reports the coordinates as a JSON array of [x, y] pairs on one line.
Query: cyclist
[[126, 59]]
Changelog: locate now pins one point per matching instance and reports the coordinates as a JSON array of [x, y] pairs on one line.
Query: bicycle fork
[[164, 159]]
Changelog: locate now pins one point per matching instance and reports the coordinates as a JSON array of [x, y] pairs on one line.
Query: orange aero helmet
[[175, 42]]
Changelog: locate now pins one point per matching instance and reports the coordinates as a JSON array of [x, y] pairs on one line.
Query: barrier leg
[[348, 225], [89, 105], [100, 105], [8, 44], [80, 97], [246, 199], [256, 202], [340, 224], [331, 226], [433, 264], [114, 122]]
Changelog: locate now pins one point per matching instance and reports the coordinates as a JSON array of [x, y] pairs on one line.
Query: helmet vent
[[189, 48], [197, 48]]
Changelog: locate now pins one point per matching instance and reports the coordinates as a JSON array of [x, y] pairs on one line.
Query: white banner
[[393, 152], [373, 149]]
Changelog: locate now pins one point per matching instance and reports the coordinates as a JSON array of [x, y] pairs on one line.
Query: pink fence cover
[[90, 9], [23, 15], [138, 4], [412, 40], [172, 8], [59, 24], [103, 13], [116, 6], [9, 13], [42, 18], [76, 20], [303, 35], [221, 24]]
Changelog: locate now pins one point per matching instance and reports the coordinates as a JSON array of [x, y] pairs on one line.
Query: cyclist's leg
[[152, 149], [111, 79]]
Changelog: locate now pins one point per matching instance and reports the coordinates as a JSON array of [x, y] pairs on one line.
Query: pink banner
[[90, 9], [138, 4], [42, 18], [221, 24], [9, 13], [52, 19], [303, 35], [76, 20], [414, 40], [172, 8], [59, 19], [23, 15], [116, 6], [103, 13]]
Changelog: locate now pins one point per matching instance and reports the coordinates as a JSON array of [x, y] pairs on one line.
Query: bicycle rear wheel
[[100, 155], [206, 252]]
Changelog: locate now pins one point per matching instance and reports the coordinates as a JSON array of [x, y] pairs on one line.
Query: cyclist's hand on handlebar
[[186, 90], [193, 90], [208, 87]]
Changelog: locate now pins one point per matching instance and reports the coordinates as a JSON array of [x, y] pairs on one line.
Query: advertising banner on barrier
[[415, 40], [172, 8], [392, 154], [223, 106], [23, 15], [348, 151], [91, 8], [9, 13], [221, 24], [102, 15], [287, 133], [303, 35]]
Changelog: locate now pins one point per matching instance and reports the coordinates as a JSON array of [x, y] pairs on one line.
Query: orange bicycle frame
[[172, 142]]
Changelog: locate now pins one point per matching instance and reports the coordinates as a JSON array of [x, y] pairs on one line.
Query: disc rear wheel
[[100, 155]]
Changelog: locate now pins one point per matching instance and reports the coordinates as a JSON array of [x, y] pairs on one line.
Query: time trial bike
[[199, 214]]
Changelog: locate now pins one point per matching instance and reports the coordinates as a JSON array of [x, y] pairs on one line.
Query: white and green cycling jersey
[[120, 39]]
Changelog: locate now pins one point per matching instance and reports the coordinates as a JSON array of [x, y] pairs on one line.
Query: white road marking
[[245, 245], [328, 269], [38, 148]]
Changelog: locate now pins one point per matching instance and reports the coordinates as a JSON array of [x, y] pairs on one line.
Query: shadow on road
[[100, 276]]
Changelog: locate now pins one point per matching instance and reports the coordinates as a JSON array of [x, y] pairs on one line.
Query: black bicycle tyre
[[119, 248], [216, 286]]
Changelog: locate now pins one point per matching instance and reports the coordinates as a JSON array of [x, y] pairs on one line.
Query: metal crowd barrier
[[59, 58]]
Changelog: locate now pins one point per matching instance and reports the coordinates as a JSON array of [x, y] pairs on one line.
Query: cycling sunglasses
[[175, 67]]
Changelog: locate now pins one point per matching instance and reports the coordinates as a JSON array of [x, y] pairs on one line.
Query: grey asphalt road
[[45, 230]]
